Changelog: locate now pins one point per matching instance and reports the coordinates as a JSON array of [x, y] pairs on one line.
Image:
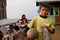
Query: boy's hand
[[43, 26]]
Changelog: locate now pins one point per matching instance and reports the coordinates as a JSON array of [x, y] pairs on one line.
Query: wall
[[3, 9], [57, 18], [15, 8]]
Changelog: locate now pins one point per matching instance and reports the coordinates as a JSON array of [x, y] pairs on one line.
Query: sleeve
[[52, 26], [19, 20], [30, 25]]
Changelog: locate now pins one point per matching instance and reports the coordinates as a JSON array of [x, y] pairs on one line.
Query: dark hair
[[44, 5], [23, 15]]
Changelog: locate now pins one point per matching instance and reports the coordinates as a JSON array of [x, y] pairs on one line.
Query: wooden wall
[[3, 9], [57, 18]]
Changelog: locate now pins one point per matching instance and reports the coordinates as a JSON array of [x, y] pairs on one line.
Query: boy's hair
[[44, 5]]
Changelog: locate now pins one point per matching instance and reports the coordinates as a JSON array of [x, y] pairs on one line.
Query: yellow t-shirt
[[37, 21]]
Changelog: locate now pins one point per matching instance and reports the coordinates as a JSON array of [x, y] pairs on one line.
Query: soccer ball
[[32, 33]]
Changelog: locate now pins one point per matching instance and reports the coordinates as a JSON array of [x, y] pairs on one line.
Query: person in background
[[23, 21], [42, 22], [23, 24]]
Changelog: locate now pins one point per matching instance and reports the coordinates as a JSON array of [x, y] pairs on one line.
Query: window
[[56, 11], [37, 3]]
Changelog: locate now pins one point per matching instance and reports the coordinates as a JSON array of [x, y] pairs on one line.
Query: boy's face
[[44, 11]]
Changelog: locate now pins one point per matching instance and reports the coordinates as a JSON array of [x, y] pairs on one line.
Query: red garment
[[23, 21]]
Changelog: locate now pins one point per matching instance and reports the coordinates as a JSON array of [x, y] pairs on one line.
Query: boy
[[42, 21]]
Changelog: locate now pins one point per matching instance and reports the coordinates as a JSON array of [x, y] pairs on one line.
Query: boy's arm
[[51, 29]]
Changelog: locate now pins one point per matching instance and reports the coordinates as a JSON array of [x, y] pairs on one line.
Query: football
[[32, 33]]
